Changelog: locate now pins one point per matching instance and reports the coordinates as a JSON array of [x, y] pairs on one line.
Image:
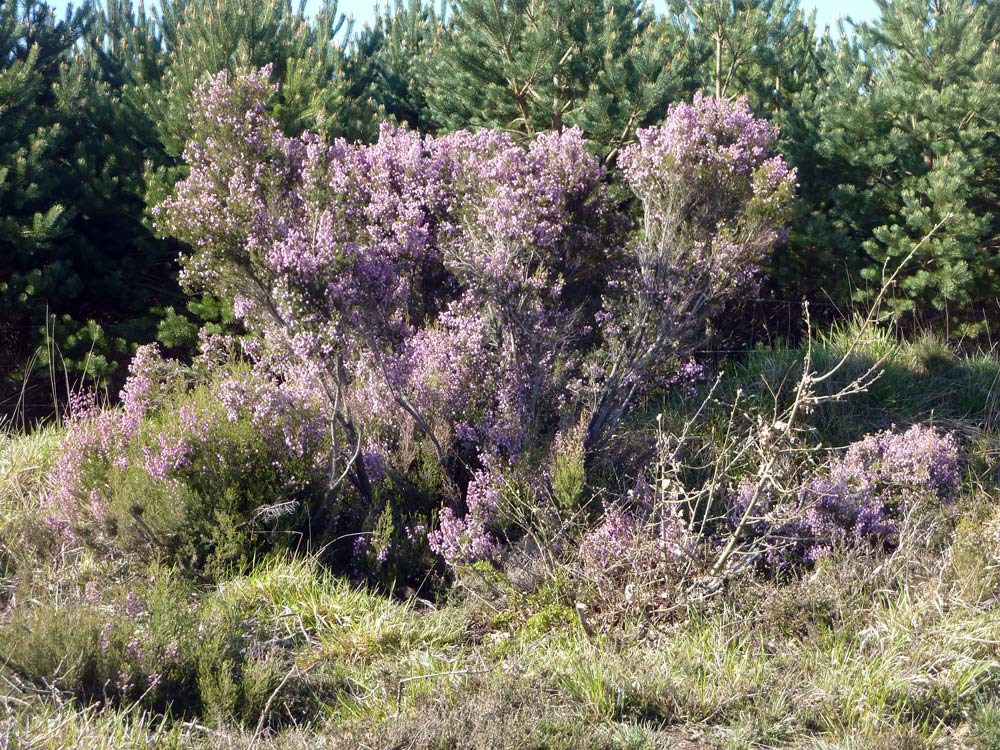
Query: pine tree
[[912, 117], [33, 221], [33, 46], [529, 66], [321, 85], [398, 40], [762, 49], [83, 277]]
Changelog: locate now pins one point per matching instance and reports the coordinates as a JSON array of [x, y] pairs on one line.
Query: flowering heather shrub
[[630, 531], [135, 645], [859, 498], [637, 539], [910, 466], [149, 637], [203, 472], [468, 538], [710, 163], [454, 296], [714, 202], [568, 469], [612, 542], [96, 438]]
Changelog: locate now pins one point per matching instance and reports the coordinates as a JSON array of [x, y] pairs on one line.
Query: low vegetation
[[888, 644]]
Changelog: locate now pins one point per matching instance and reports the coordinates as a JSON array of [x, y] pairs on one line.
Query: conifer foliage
[[529, 66], [912, 114], [79, 274]]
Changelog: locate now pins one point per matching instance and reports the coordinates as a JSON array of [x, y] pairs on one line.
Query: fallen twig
[[399, 687]]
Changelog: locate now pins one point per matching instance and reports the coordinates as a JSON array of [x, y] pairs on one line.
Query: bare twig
[[259, 731]]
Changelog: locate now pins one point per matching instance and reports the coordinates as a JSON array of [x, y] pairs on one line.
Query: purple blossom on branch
[[714, 202], [468, 538]]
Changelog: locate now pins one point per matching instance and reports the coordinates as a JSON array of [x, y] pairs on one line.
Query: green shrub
[[121, 646], [237, 495], [569, 473], [975, 554], [233, 686]]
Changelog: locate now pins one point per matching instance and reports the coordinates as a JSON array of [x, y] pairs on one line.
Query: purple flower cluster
[[714, 201], [714, 197], [458, 375], [169, 434], [917, 464], [286, 413], [707, 178], [467, 538], [611, 544], [93, 439], [685, 377], [635, 539], [859, 498], [96, 437]]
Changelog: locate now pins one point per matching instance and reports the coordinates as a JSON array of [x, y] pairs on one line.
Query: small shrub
[[859, 498], [975, 554], [122, 646], [568, 469], [395, 552], [468, 538], [233, 685], [628, 540], [206, 469], [639, 557]]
